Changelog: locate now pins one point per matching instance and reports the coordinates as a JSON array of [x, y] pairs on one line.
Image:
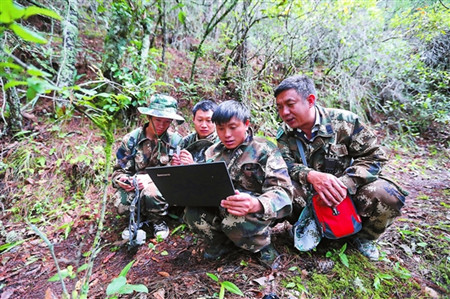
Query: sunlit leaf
[[232, 288], [116, 285], [14, 83], [127, 268], [130, 288], [34, 10], [27, 34], [213, 277], [10, 65]]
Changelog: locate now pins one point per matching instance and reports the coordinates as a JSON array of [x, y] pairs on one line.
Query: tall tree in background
[[67, 70], [217, 17]]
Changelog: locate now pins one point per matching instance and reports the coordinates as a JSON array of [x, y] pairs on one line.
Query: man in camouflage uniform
[[264, 189], [341, 155], [148, 146], [195, 144]]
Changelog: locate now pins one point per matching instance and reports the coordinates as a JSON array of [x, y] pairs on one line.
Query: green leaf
[[6, 247], [376, 283], [34, 10], [181, 17], [127, 268], [16, 11], [130, 288], [64, 273], [10, 65], [14, 83], [38, 73], [344, 259], [213, 277], [232, 288], [83, 267], [27, 34], [31, 93], [116, 285], [290, 285]]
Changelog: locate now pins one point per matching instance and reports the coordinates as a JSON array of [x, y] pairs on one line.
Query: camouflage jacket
[[257, 167], [196, 146], [343, 146], [136, 152]]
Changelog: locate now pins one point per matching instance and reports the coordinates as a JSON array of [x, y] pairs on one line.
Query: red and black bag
[[336, 222]]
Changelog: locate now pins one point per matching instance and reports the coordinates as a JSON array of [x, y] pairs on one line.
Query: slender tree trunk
[[164, 31], [67, 70], [145, 43], [209, 28], [15, 120]]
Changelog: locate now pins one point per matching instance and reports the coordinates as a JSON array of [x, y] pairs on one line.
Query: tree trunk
[[67, 70], [15, 120], [216, 19]]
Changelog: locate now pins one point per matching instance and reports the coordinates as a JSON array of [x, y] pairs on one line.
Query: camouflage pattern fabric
[[135, 153], [348, 149], [196, 146], [162, 106], [256, 167]]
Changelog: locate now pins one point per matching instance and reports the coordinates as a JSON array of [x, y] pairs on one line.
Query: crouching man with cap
[[148, 146], [264, 190]]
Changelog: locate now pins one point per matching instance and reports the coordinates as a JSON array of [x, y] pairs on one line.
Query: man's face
[[232, 133], [296, 112], [160, 125], [203, 124]]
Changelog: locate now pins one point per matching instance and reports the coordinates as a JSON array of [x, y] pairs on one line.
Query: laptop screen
[[203, 184]]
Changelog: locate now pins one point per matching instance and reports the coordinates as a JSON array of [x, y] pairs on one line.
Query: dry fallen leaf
[[159, 294], [164, 274]]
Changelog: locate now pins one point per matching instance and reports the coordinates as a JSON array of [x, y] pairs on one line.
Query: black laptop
[[197, 185]]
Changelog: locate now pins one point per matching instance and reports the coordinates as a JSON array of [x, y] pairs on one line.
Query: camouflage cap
[[162, 106]]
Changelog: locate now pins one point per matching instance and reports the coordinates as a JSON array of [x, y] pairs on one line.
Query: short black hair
[[204, 105], [302, 84], [229, 109]]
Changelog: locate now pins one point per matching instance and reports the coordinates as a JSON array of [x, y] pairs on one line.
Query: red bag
[[337, 222]]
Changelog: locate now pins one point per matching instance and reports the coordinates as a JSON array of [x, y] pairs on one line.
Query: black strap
[[135, 220], [302, 151]]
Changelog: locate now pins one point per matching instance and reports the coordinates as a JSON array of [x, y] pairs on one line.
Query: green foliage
[[225, 285], [339, 254], [119, 285], [361, 279], [11, 13], [12, 69]]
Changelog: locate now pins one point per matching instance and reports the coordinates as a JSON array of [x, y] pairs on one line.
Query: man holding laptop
[[263, 189]]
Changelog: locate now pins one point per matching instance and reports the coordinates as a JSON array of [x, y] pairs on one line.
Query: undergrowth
[[362, 279]]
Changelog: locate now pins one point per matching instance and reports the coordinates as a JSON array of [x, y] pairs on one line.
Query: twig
[[52, 251]]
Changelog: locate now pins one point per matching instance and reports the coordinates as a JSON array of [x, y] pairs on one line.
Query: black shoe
[[216, 250], [269, 256]]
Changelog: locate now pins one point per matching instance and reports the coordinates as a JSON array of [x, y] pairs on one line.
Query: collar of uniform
[[325, 128], [315, 128], [211, 137]]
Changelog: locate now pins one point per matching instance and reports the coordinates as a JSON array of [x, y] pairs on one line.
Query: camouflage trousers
[[378, 203], [247, 232], [151, 201]]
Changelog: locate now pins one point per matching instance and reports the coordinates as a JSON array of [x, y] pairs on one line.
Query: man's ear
[[311, 99], [247, 122]]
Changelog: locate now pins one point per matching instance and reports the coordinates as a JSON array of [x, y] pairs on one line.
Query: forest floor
[[414, 263]]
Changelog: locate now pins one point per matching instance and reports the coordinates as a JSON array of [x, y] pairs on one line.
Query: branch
[[440, 1]]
